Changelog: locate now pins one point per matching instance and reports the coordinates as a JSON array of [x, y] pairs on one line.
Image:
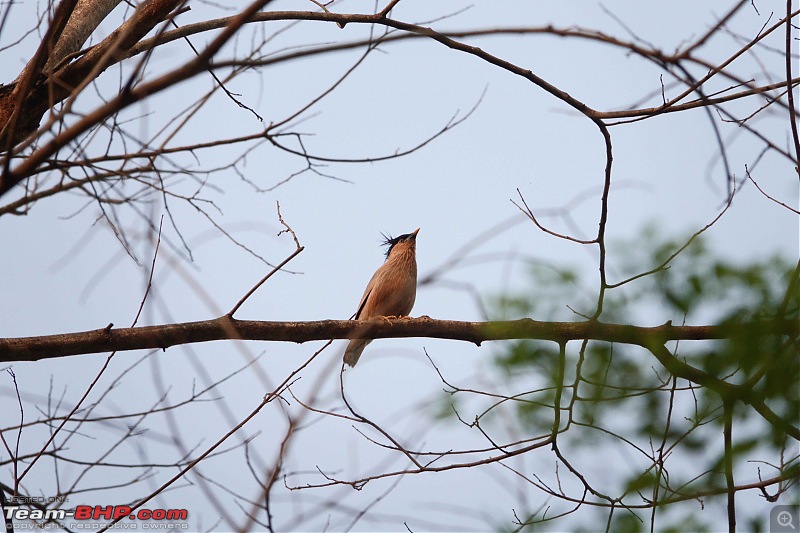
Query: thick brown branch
[[164, 336], [129, 95], [652, 338], [11, 97], [41, 93]]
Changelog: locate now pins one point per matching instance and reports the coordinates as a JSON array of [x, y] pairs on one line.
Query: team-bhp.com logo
[[95, 512]]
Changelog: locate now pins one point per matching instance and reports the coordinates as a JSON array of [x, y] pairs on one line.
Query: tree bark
[[109, 339], [24, 102], [86, 17]]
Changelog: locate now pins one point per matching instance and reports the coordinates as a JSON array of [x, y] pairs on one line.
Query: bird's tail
[[354, 349]]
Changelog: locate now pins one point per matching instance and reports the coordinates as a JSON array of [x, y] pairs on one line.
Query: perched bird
[[391, 291]]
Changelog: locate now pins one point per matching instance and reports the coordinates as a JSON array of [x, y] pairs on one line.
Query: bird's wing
[[363, 303]]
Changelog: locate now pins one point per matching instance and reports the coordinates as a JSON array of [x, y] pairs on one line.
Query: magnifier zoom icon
[[785, 519]]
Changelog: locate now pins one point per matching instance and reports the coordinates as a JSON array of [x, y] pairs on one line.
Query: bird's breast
[[394, 291]]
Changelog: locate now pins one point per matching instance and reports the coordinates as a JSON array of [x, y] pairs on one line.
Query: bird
[[391, 291]]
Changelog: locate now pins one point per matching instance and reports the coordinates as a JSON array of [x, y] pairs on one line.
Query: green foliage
[[627, 522], [699, 286], [549, 286], [620, 397]]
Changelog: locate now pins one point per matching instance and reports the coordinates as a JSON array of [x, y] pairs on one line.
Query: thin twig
[[283, 263]]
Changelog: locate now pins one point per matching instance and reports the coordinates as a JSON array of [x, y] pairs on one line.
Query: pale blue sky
[[63, 273]]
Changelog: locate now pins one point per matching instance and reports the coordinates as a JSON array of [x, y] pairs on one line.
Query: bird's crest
[[390, 241]]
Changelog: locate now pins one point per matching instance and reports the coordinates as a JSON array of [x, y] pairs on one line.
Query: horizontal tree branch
[[653, 339], [121, 339]]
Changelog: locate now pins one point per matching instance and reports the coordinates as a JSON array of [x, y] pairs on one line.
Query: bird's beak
[[414, 233]]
